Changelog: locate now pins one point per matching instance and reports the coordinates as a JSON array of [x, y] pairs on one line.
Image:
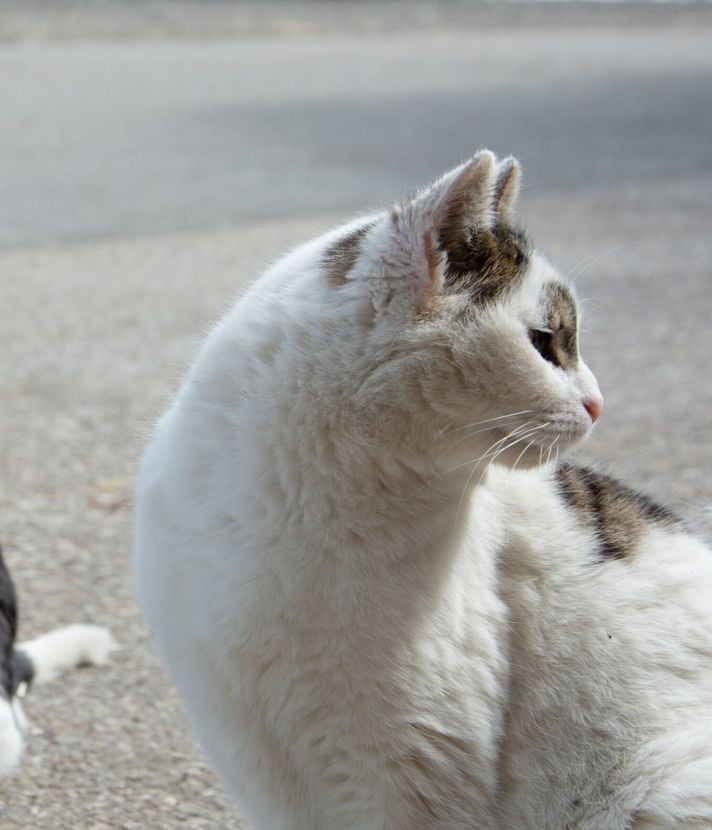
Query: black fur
[[23, 669], [15, 666], [486, 262]]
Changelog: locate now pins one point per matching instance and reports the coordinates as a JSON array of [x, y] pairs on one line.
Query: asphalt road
[[144, 181]]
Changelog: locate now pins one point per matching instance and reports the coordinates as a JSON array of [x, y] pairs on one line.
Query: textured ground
[[144, 181]]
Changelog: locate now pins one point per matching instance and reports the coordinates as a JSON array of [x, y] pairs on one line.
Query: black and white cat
[[38, 660], [371, 623]]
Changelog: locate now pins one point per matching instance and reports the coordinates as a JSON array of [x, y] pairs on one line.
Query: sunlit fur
[[373, 627]]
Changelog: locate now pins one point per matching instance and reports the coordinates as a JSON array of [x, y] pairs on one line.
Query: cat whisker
[[477, 432], [508, 446], [465, 463], [551, 447], [514, 467], [479, 460], [490, 420], [584, 264], [489, 451], [493, 454], [518, 440], [471, 461], [521, 437]]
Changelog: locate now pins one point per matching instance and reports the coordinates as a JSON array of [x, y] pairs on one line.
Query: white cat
[[370, 626]]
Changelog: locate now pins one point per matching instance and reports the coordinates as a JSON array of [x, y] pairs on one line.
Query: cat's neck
[[386, 488]]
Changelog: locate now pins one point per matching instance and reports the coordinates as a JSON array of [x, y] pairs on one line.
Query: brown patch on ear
[[485, 255], [341, 256], [468, 202], [507, 190]]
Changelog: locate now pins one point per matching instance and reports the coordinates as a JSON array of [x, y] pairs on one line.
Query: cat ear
[[507, 186], [440, 221], [469, 200]]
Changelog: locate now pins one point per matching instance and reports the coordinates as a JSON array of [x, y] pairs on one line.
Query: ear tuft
[[506, 190]]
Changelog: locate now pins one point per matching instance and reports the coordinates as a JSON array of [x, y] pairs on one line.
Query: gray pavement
[[145, 179]]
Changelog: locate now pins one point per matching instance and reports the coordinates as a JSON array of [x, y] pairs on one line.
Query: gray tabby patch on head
[[487, 263], [485, 255], [617, 514], [560, 344]]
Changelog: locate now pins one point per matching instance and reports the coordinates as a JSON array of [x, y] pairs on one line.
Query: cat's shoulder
[[617, 513], [572, 500]]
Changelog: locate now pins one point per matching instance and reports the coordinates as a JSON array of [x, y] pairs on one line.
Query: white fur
[[65, 648], [369, 629], [11, 735]]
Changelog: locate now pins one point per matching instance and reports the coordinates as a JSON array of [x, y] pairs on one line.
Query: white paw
[[94, 644], [68, 647]]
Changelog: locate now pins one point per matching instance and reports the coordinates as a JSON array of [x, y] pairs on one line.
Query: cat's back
[[207, 473], [590, 562], [611, 647], [582, 536], [223, 422]]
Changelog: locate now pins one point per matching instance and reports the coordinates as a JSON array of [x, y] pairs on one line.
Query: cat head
[[450, 331]]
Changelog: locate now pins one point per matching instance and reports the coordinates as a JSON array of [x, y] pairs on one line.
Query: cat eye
[[543, 342]]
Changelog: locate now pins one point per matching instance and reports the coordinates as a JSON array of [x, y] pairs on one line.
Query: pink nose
[[594, 407]]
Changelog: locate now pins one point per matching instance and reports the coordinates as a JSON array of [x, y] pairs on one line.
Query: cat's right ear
[[480, 194], [465, 202], [465, 197], [441, 220], [441, 217], [474, 196]]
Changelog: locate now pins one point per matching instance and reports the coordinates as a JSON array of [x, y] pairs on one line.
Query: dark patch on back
[[341, 256], [616, 513], [487, 262]]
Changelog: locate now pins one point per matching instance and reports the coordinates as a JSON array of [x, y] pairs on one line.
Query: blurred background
[[156, 154]]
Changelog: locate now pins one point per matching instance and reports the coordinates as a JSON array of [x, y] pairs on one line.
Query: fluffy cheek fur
[[538, 405], [475, 378], [427, 400]]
